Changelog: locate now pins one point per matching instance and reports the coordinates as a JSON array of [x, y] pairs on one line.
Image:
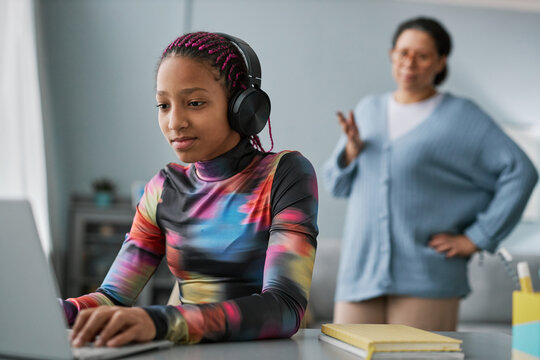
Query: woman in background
[[431, 179], [237, 226]]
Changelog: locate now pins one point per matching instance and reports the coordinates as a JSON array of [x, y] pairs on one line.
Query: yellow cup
[[525, 325]]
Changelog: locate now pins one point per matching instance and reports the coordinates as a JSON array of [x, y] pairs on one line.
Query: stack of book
[[384, 341]]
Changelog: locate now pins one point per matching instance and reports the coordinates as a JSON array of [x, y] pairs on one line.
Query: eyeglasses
[[421, 58]]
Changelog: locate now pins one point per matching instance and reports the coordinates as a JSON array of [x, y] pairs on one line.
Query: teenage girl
[[237, 226]]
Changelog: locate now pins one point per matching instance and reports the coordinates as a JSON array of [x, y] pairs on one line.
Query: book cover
[[375, 339]]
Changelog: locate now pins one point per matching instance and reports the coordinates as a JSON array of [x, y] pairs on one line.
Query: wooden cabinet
[[96, 235]]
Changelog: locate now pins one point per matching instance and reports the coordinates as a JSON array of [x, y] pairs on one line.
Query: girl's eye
[[196, 103], [162, 106]]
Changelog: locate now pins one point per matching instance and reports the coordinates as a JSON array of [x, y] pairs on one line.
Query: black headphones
[[249, 110]]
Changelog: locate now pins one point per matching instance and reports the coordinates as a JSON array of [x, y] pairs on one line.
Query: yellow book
[[384, 341]]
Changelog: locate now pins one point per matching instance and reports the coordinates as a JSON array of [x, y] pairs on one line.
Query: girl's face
[[193, 107], [415, 61]]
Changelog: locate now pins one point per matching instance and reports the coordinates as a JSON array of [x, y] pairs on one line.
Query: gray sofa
[[487, 308]]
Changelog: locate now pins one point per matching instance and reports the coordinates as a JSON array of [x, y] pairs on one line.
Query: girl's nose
[[177, 120]]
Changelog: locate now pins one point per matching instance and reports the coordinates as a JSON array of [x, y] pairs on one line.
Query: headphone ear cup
[[249, 111]]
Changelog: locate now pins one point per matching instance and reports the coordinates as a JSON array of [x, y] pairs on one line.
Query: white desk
[[306, 346]]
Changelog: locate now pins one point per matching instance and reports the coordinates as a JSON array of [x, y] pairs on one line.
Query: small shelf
[[98, 240], [92, 279], [97, 235], [164, 283]]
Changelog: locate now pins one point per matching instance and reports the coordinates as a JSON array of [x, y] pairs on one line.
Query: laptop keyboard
[[91, 352]]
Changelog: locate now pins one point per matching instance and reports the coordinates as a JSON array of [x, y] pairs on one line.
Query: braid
[[218, 51], [222, 55], [256, 142]]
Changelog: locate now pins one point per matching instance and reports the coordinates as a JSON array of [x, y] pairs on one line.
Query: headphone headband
[[250, 58]]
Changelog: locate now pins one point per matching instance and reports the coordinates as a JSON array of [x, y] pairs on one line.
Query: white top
[[404, 117]]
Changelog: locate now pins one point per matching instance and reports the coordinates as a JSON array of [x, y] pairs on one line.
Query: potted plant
[[103, 191]]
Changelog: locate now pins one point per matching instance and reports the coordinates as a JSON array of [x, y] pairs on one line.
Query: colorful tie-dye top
[[238, 232]]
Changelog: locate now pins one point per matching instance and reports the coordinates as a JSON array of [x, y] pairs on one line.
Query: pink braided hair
[[223, 56]]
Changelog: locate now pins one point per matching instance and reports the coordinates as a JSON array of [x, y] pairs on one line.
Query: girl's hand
[[452, 245], [354, 144], [114, 326]]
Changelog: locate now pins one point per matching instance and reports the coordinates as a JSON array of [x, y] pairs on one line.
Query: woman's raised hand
[[354, 144]]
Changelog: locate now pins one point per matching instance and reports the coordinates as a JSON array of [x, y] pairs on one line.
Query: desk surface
[[306, 346]]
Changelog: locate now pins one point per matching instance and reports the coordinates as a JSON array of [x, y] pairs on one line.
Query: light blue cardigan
[[456, 172]]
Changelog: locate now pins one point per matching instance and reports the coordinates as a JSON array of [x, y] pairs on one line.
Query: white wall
[[97, 70], [317, 57]]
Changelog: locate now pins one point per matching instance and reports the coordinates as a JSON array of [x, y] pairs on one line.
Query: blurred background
[[78, 83]]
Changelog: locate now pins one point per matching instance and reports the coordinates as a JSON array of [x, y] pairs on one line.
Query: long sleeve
[[277, 310], [512, 180], [338, 179], [135, 263]]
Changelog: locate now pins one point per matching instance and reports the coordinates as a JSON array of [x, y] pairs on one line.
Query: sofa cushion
[[323, 285]]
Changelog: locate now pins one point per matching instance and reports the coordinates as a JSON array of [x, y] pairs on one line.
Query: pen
[[506, 258], [524, 276]]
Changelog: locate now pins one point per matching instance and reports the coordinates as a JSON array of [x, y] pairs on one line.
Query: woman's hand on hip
[[354, 144], [452, 245], [114, 326]]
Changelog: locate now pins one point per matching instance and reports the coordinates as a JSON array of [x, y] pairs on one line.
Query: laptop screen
[[31, 318]]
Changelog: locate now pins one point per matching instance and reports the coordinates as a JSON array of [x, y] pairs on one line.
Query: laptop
[[32, 322]]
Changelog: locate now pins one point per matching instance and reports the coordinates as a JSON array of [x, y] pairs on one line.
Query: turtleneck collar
[[227, 164]]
